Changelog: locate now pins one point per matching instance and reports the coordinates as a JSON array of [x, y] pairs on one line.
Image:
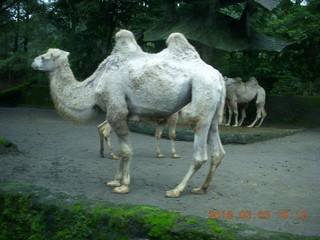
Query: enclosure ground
[[269, 178]]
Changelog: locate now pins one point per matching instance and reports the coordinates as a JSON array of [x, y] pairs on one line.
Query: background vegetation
[[86, 29]]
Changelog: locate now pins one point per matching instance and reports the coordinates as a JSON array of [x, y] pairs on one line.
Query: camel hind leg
[[264, 114], [261, 114], [217, 153], [105, 130], [201, 129], [200, 157], [158, 134], [243, 108], [230, 112], [233, 109], [101, 128], [172, 123]]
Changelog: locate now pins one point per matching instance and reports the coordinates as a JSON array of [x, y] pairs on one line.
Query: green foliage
[[289, 21], [20, 222], [86, 29], [234, 11], [54, 216]]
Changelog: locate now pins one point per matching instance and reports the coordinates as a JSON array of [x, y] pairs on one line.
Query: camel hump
[[126, 43], [253, 82], [238, 80], [178, 45]]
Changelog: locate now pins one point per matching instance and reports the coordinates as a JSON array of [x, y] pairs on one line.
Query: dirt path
[[261, 178]]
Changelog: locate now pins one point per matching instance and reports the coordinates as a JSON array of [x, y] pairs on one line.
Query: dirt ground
[[260, 179]]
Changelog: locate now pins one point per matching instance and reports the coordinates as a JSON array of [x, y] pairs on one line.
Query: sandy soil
[[260, 179]]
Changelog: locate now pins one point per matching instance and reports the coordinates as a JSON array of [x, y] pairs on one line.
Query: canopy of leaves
[[238, 37], [290, 22], [222, 31]]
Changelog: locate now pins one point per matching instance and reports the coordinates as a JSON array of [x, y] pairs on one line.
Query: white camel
[[105, 131], [240, 93], [133, 85]]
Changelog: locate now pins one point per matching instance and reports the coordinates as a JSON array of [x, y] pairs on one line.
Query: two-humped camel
[[240, 93], [133, 85]]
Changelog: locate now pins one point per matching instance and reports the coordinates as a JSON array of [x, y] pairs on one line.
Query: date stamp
[[258, 215]]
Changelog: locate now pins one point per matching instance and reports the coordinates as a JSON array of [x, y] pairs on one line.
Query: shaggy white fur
[[132, 85]]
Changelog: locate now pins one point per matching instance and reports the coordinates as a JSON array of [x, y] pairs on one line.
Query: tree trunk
[[212, 14], [171, 13], [26, 34]]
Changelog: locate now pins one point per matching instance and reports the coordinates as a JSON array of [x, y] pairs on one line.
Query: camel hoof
[[175, 155], [121, 189], [235, 125], [199, 191], [113, 156], [173, 194], [160, 155], [113, 183]]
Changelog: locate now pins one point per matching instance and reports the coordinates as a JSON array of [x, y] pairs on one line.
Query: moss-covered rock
[[32, 212], [6, 146]]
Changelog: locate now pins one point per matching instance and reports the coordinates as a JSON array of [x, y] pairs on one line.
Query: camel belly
[[158, 104]]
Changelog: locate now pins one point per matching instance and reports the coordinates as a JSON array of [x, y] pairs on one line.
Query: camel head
[[229, 81], [49, 61]]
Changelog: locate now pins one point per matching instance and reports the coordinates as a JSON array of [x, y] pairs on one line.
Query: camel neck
[[72, 99]]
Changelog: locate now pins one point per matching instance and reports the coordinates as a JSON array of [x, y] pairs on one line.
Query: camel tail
[[220, 109]]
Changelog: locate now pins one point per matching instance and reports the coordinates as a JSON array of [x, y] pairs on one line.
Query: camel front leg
[[118, 121], [122, 178], [124, 168]]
